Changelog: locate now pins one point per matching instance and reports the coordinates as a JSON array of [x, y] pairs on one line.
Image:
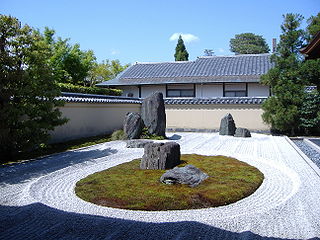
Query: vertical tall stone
[[132, 125], [227, 125], [153, 114]]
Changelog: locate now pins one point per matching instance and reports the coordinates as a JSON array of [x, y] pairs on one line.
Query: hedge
[[67, 87]]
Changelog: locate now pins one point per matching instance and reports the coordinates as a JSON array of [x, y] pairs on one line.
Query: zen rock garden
[[228, 127], [167, 155]]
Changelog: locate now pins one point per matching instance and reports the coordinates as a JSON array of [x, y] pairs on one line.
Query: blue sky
[[140, 30]]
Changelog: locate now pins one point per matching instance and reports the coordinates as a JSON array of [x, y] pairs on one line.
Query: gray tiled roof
[[218, 100], [237, 68], [92, 98]]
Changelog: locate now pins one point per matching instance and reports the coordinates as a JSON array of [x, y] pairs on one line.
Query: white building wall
[[130, 89], [91, 119], [202, 90], [258, 90], [209, 90], [149, 89]]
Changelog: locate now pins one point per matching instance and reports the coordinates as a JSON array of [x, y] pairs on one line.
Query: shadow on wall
[[38, 221], [21, 172]]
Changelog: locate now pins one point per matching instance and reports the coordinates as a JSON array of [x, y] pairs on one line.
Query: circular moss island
[[126, 186]]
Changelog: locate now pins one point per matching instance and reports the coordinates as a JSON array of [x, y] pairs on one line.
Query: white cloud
[[114, 52], [187, 37], [221, 50]]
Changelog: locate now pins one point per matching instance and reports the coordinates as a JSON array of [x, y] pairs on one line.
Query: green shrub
[[146, 135], [118, 135], [68, 87]]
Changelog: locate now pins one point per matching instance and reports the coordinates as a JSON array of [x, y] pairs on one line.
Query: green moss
[[127, 186]]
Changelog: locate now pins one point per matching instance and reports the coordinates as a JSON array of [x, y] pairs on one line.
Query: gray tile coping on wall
[[92, 98]]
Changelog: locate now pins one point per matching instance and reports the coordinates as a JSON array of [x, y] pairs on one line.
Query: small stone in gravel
[[242, 132]]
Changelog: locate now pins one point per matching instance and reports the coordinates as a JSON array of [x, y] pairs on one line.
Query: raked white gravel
[[37, 199]]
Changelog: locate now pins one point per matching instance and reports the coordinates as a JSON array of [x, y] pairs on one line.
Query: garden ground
[[37, 199]]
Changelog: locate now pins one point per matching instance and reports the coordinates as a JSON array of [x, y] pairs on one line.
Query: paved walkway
[[37, 199]]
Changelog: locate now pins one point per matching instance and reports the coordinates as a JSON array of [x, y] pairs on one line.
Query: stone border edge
[[305, 158], [312, 145]]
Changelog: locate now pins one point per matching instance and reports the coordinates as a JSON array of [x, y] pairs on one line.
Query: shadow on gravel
[[37, 221], [174, 137], [21, 172]]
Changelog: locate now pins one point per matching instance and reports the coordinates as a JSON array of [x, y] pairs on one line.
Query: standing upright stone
[[153, 114], [227, 125], [160, 156], [133, 125]]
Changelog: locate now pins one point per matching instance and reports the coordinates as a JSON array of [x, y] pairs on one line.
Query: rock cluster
[[189, 175], [160, 156], [153, 116], [228, 127]]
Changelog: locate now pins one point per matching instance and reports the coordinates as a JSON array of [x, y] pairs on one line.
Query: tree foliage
[[310, 113], [181, 53], [28, 109], [104, 71], [313, 27], [282, 110], [71, 65], [248, 43]]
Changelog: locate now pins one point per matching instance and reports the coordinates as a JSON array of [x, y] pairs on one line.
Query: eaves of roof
[[182, 80], [315, 42]]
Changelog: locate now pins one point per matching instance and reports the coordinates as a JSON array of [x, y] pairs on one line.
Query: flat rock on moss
[[189, 175], [137, 143]]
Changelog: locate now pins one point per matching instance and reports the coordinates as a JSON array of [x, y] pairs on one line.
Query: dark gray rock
[[227, 125], [242, 132], [153, 114], [160, 156], [132, 125], [140, 143], [189, 175]]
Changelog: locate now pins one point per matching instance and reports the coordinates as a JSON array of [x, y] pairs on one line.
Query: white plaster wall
[[258, 90], [209, 116], [235, 86], [91, 119], [148, 90], [209, 90], [129, 89]]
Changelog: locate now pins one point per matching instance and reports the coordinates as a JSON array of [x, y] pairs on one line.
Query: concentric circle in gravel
[[57, 190]]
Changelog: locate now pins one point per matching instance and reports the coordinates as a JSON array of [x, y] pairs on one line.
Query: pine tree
[[283, 108], [181, 51]]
